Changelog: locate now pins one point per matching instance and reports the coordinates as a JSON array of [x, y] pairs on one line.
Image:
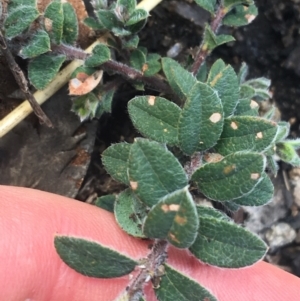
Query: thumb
[[31, 270]]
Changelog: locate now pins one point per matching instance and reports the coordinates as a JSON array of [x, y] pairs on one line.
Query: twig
[[22, 81], [203, 52], [151, 269], [24, 109], [133, 74]]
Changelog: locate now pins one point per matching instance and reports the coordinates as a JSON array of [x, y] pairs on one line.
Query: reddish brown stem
[[203, 52]]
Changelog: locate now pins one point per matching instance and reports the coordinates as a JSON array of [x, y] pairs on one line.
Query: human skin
[[31, 270]]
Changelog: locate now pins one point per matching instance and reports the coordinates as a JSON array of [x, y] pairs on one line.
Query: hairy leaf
[[154, 171], [259, 196], [129, 213], [155, 117], [211, 40], [224, 80], [36, 69], [137, 16], [115, 161], [39, 44], [54, 20], [246, 133], [225, 244], [177, 286], [92, 259], [208, 5], [201, 119], [101, 54], [106, 202], [180, 80], [240, 15], [173, 218], [12, 24], [232, 177], [70, 25]]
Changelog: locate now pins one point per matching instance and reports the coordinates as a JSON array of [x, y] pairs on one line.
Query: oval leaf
[[225, 244], [225, 81], [173, 218], [177, 286], [101, 54], [92, 259], [129, 213], [39, 44], [54, 20], [18, 19], [246, 133], [209, 5], [180, 80], [36, 69], [261, 195], [154, 171], [240, 15], [115, 161], [155, 117], [232, 177], [201, 120], [70, 24], [106, 202], [137, 16]]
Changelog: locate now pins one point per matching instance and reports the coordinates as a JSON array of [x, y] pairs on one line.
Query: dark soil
[[271, 47]]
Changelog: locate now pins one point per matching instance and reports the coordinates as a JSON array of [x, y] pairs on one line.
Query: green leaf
[[287, 153], [108, 19], [92, 259], [18, 19], [260, 86], [107, 100], [138, 59], [234, 176], [70, 25], [135, 28], [240, 15], [202, 73], [39, 44], [208, 5], [246, 107], [177, 286], [129, 213], [201, 120], [106, 202], [127, 5], [211, 40], [155, 117], [224, 244], [15, 3], [54, 12], [246, 133], [36, 69], [85, 106], [228, 4], [261, 195], [246, 92], [283, 130], [93, 23], [115, 161], [224, 80], [153, 65], [180, 80], [243, 73], [154, 171], [132, 43], [101, 54], [137, 16], [173, 218]]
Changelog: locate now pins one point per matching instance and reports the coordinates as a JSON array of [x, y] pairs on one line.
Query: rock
[[279, 235]]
